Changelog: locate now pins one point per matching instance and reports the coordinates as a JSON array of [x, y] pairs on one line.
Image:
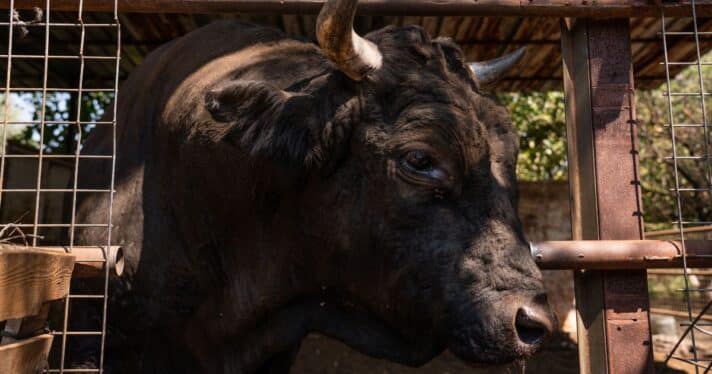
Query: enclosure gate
[[612, 300]]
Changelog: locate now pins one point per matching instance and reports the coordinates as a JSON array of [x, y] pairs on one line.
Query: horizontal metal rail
[[550, 8], [621, 254]]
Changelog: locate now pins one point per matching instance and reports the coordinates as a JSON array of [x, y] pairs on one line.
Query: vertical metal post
[[612, 306]]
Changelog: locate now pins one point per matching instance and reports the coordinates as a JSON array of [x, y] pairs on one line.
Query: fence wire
[[49, 140], [692, 345]]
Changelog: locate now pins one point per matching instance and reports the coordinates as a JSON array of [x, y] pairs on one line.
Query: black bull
[[265, 191]]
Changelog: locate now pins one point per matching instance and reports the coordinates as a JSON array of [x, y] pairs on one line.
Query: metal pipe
[[91, 261], [621, 254], [551, 8]]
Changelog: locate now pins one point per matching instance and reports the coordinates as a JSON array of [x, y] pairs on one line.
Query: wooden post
[[612, 306], [25, 356]]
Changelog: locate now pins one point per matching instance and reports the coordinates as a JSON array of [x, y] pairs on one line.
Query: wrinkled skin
[[263, 195]]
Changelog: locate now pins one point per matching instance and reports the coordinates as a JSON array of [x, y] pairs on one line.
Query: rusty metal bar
[[550, 8], [620, 254], [612, 305]]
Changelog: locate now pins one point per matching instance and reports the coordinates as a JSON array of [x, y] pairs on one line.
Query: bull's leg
[[281, 362]]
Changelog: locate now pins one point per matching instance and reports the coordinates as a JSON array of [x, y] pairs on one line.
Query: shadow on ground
[[325, 356]]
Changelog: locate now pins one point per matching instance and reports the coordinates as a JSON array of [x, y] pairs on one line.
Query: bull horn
[[488, 72], [354, 55]]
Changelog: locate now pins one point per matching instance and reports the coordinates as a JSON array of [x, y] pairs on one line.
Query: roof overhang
[[535, 8]]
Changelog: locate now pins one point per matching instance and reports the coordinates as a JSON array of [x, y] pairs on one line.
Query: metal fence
[[688, 122], [38, 79]]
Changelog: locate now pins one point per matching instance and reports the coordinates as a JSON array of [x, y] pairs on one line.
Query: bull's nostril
[[530, 329]]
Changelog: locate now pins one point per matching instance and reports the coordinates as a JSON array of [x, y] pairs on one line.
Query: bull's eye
[[418, 160]]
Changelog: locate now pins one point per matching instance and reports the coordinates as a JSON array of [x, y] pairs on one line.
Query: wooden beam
[[27, 356], [676, 232], [681, 272], [29, 278], [531, 8], [676, 313], [23, 328]]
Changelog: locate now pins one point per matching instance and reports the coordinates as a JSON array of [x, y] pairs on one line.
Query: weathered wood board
[[27, 356], [29, 278]]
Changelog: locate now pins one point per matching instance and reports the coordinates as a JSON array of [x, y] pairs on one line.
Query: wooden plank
[[612, 306], [676, 313], [529, 8], [28, 356], [29, 278], [676, 232], [680, 272], [23, 328]]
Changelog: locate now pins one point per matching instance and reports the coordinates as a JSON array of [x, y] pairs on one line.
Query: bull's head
[[357, 57], [408, 206], [458, 266]]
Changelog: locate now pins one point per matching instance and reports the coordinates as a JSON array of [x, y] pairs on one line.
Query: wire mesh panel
[[689, 300], [49, 104]]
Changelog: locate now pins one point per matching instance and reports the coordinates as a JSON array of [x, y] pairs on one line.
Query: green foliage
[[14, 113], [61, 138], [539, 119], [667, 289], [657, 170]]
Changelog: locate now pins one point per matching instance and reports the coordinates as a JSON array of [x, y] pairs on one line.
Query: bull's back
[[161, 104]]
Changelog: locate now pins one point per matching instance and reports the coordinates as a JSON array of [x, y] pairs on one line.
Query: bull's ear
[[266, 120]]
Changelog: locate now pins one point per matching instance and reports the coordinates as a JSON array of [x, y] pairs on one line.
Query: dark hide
[[262, 195]]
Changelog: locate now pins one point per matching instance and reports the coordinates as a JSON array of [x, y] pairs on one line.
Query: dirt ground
[[320, 355]]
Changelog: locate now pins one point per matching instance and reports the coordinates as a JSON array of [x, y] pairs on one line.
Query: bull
[[267, 188]]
